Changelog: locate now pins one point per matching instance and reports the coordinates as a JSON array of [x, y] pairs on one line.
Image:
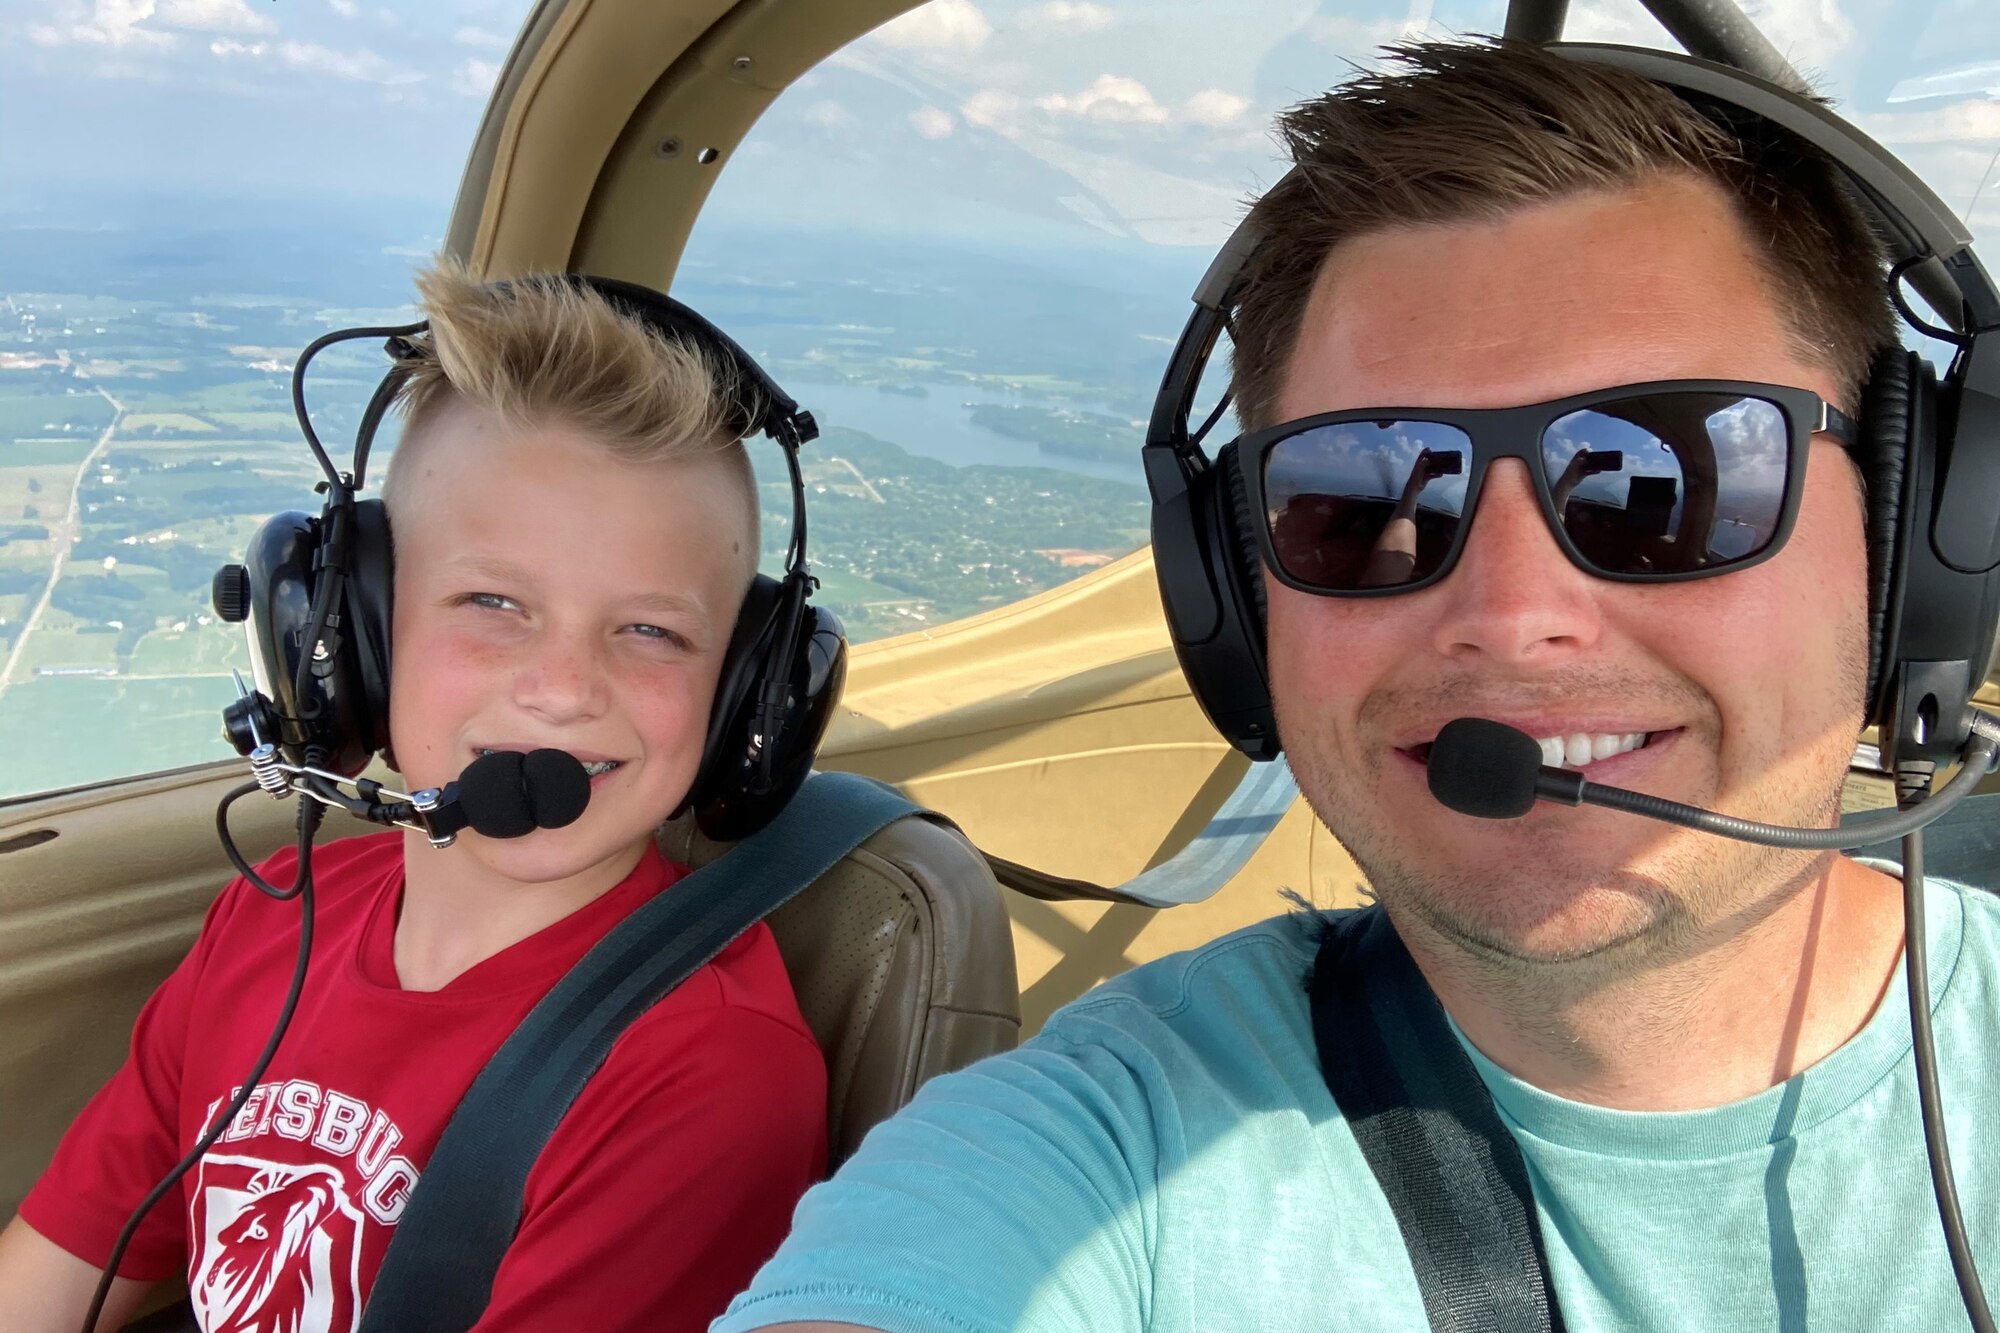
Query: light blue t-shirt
[[1165, 1156]]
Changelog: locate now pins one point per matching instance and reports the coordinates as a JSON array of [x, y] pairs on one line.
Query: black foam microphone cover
[[556, 786], [510, 795], [494, 796], [1484, 769]]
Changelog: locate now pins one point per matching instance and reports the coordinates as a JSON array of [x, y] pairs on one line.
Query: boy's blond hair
[[539, 349]]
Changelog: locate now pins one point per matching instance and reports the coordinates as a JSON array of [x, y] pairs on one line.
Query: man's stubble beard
[[1697, 892]]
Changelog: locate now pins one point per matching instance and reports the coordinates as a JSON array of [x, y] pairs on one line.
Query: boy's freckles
[[550, 593]]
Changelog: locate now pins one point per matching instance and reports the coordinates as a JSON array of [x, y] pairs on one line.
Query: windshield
[[966, 242]]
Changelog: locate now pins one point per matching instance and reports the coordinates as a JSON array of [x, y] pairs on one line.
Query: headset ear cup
[[744, 782], [815, 672], [1204, 554], [735, 690], [1241, 526], [1882, 453], [371, 590]]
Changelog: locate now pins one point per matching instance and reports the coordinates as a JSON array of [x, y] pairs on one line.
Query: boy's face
[[549, 593]]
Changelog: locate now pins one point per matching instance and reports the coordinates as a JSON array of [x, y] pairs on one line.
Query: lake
[[940, 426]]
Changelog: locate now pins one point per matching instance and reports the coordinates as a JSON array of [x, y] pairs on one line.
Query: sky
[[1146, 120]]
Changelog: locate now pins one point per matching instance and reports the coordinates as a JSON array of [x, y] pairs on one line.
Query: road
[[65, 535], [866, 484]]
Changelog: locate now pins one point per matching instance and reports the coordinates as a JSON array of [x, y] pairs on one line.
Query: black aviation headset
[[1929, 453], [317, 594]]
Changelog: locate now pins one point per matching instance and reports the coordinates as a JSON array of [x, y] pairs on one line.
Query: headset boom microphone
[[1490, 770], [1493, 771]]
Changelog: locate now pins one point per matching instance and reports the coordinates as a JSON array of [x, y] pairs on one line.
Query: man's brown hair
[[1465, 131]]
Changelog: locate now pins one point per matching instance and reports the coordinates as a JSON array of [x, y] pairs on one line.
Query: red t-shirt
[[672, 1178]]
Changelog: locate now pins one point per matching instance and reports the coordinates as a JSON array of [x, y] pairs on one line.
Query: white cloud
[[828, 115], [145, 24], [361, 65], [1074, 14], [347, 9], [941, 25], [214, 16], [1113, 97], [110, 23], [1216, 108], [1361, 40], [932, 122], [1812, 34], [228, 47], [990, 108], [1618, 21], [470, 36], [1976, 120], [474, 78], [1982, 77]]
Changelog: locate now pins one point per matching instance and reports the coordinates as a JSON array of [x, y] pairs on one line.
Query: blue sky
[[260, 97], [1143, 119]]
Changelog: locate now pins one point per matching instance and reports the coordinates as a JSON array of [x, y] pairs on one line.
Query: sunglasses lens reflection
[[1673, 482], [1365, 504], [1669, 483]]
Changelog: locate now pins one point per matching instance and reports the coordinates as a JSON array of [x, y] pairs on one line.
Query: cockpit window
[[966, 242], [205, 188]]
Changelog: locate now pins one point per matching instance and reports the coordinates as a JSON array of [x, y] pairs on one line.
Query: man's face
[[1748, 684], [549, 593]]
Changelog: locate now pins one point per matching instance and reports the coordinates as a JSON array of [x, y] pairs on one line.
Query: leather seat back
[[902, 959]]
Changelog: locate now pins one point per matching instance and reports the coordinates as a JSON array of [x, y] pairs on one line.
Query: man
[[1700, 1047]]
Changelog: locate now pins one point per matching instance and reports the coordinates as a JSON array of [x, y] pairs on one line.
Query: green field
[[66, 731], [24, 412], [837, 588], [257, 420], [67, 646], [170, 421], [196, 651], [45, 453]]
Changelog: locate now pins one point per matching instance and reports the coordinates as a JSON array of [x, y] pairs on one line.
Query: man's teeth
[[593, 768], [1580, 748]]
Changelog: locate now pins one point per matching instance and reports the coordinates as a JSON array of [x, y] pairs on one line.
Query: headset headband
[[1926, 241]]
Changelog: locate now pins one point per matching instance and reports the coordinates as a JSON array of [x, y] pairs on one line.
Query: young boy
[[574, 533]]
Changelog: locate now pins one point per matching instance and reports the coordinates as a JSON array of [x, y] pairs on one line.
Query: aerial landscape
[[968, 457]]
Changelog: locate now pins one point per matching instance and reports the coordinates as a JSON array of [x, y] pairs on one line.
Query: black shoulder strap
[[1453, 1174], [438, 1272]]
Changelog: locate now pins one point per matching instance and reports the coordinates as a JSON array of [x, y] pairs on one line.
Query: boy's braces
[[594, 767]]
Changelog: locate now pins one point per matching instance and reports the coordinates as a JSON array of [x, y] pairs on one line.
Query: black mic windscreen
[[557, 788], [494, 797], [1484, 769]]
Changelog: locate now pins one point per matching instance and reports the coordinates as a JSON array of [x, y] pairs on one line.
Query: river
[[940, 426]]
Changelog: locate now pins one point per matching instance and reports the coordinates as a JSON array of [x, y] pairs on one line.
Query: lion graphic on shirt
[[267, 1261]]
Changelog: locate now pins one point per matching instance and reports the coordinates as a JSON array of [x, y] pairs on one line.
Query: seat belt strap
[[438, 1272], [1453, 1175]]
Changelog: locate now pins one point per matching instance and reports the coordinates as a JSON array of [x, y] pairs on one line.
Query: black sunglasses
[[1642, 483]]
